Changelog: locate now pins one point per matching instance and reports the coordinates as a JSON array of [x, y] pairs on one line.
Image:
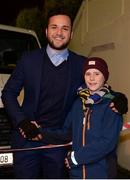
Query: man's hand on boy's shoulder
[[119, 103]]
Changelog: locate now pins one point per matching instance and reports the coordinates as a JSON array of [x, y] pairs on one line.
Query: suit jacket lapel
[[37, 74]]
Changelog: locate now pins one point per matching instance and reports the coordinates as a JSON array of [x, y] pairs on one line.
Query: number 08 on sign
[[6, 159]]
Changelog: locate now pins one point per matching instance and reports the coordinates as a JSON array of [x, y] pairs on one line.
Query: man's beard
[[63, 46]]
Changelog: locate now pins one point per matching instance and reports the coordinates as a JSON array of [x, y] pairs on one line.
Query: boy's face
[[59, 31], [94, 79]]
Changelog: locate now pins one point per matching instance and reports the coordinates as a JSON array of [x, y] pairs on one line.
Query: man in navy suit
[[50, 77]]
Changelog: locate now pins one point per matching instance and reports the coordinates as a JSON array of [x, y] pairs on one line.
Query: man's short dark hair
[[59, 11]]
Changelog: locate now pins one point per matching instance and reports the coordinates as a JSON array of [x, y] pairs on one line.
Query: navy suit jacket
[[27, 75]]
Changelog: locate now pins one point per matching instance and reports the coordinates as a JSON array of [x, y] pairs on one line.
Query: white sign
[[6, 159]]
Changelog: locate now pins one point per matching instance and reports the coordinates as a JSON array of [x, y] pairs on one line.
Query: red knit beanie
[[96, 63]]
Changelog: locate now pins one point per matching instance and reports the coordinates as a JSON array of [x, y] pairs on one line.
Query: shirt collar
[[57, 57]]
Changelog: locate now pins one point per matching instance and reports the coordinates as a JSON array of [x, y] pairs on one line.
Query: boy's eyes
[[96, 73]]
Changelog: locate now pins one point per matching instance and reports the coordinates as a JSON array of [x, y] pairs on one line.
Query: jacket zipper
[[86, 124]]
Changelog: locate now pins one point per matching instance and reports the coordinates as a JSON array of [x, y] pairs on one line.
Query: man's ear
[[46, 32], [71, 36]]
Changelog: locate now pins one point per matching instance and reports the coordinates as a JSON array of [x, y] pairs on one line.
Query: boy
[[95, 127]]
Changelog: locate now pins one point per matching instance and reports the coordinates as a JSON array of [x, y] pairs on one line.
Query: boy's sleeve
[[59, 136]]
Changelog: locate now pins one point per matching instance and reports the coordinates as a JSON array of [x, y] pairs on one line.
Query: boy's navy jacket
[[100, 139]]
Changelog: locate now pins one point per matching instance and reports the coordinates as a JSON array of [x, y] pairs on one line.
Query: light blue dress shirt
[[57, 57]]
